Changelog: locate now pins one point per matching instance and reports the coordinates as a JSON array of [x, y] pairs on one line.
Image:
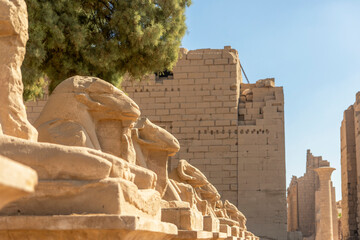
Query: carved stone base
[[84, 227], [184, 218], [211, 224], [250, 236], [108, 196], [194, 235], [225, 229], [238, 232], [219, 235], [16, 180]]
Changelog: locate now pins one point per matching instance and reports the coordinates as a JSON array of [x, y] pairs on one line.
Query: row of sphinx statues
[[94, 153]]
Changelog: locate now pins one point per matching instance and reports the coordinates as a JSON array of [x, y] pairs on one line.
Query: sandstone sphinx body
[[80, 178]]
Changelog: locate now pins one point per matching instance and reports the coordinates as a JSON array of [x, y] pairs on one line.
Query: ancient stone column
[[325, 195]]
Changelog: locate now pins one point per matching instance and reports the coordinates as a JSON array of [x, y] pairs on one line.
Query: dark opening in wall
[[160, 76]]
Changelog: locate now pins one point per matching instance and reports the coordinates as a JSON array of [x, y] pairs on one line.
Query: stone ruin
[[94, 168], [350, 171], [312, 210]]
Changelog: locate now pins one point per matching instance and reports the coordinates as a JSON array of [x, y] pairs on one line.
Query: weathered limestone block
[[16, 181], [224, 228], [13, 38], [84, 227], [194, 235], [211, 223], [183, 218], [107, 196], [268, 82]]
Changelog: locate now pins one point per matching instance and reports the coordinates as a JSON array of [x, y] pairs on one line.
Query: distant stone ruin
[[350, 172], [304, 201]]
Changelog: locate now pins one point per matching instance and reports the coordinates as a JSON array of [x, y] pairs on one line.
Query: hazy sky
[[311, 48]]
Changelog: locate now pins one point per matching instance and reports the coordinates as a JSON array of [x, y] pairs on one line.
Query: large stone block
[[16, 181], [84, 227], [108, 196]]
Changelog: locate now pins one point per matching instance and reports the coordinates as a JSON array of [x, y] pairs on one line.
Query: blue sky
[[311, 48]]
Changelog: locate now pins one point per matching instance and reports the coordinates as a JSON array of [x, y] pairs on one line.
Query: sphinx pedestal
[[84, 227], [16, 180]]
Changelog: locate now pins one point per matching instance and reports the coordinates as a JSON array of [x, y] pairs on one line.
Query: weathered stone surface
[[13, 37], [16, 181], [107, 196], [325, 223], [153, 146], [184, 218], [78, 105], [303, 205], [84, 227], [194, 235], [231, 131], [50, 162], [350, 148], [188, 184], [211, 224]]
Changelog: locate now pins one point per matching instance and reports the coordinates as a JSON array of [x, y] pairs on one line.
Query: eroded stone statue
[[71, 179], [189, 184], [13, 38], [153, 146], [79, 112], [97, 115], [16, 180]]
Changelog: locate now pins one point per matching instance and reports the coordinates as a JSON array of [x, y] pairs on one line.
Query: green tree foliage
[[100, 38]]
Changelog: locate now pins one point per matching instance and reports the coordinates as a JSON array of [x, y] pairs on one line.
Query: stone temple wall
[[198, 104], [302, 206], [231, 131], [34, 108], [292, 212], [261, 157], [350, 150]]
